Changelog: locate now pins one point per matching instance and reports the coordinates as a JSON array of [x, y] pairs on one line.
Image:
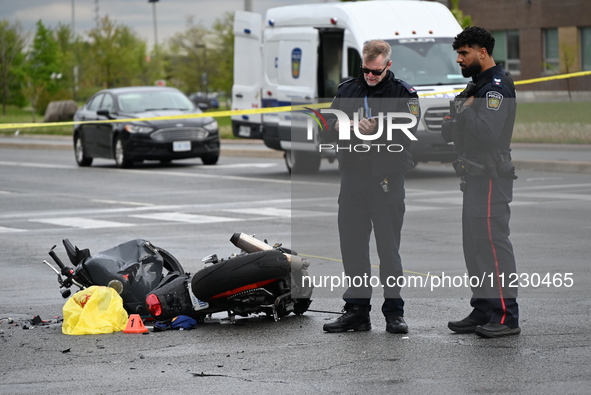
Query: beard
[[472, 70]]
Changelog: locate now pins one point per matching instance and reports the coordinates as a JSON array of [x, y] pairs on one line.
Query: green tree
[[202, 59], [569, 54], [463, 20], [43, 70], [189, 57], [222, 54], [68, 55], [118, 55], [12, 44]]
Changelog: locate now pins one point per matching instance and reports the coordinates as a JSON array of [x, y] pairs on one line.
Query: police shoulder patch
[[413, 107], [493, 100], [497, 81], [407, 86]]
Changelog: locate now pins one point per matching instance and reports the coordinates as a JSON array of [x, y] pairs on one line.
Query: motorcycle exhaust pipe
[[251, 244]]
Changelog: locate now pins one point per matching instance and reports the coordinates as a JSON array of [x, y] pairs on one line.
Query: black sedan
[[133, 141]]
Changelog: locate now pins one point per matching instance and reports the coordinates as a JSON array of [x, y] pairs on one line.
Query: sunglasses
[[374, 72]]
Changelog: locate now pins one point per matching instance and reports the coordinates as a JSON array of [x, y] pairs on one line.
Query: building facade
[[538, 38]]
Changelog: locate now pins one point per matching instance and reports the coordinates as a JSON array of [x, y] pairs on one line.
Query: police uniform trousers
[[487, 249], [364, 205]]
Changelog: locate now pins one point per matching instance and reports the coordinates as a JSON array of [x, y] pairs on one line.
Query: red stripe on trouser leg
[[494, 250]]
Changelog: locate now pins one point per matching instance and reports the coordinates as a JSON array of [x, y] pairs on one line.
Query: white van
[[301, 53]]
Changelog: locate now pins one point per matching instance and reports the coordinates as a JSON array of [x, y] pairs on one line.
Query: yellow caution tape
[[375, 266], [253, 111], [522, 82], [216, 114]]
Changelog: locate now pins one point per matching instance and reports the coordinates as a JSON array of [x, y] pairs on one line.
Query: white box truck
[[301, 53]]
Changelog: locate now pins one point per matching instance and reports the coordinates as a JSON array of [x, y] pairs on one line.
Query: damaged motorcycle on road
[[260, 279]]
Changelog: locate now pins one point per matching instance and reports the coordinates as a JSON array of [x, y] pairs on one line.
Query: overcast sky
[[171, 15]]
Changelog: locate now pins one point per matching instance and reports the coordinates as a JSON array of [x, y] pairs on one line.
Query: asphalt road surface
[[192, 210]]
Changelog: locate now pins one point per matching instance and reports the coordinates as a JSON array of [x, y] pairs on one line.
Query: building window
[[507, 50], [586, 48], [551, 55]]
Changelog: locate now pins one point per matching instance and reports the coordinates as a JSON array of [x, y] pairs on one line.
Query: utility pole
[[97, 18], [155, 25], [247, 5], [75, 68]]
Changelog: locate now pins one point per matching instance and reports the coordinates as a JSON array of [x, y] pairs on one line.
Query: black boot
[[355, 317], [396, 324]]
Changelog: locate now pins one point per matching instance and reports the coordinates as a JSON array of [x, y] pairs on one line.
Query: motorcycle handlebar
[[66, 271]]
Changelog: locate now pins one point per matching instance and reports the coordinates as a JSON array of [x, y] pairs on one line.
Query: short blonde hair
[[374, 48]]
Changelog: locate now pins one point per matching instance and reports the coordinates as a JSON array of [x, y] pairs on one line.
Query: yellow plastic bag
[[94, 310]]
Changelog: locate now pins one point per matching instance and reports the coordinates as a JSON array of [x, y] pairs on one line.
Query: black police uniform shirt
[[350, 98], [488, 123]]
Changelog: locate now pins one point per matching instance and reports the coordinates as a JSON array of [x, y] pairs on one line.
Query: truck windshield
[[426, 61]]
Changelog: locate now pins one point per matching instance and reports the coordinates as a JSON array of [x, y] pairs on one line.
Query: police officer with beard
[[480, 124]]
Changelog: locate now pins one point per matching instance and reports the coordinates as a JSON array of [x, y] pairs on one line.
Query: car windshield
[[154, 100], [426, 61]]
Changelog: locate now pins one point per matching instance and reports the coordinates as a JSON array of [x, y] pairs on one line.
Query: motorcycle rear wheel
[[237, 274]]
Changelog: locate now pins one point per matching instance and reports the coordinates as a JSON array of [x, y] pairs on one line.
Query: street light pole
[[155, 25], [75, 68], [247, 5]]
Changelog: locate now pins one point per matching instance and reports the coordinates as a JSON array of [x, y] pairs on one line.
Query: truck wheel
[[302, 162], [237, 273]]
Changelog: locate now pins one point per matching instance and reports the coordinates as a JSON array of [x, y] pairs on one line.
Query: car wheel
[[80, 154], [210, 159], [120, 158], [301, 162]]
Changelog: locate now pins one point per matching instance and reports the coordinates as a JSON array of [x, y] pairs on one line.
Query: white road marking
[[280, 212], [441, 200], [149, 173], [39, 165], [10, 230], [186, 218], [122, 202], [82, 223], [458, 201], [411, 207], [270, 211], [240, 166], [561, 196]]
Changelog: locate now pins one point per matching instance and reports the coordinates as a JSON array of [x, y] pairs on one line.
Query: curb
[[255, 149], [248, 149], [559, 166]]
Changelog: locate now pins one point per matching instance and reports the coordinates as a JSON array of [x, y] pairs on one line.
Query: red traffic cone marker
[[135, 325]]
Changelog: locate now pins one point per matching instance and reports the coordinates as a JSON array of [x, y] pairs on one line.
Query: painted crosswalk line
[[184, 217], [81, 223]]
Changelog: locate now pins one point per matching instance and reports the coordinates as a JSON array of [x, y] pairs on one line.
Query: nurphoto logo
[[345, 128]]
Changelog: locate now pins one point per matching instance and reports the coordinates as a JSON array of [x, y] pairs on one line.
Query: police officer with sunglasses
[[371, 196]]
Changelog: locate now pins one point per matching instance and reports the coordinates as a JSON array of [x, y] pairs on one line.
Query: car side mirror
[[105, 112], [203, 106]]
